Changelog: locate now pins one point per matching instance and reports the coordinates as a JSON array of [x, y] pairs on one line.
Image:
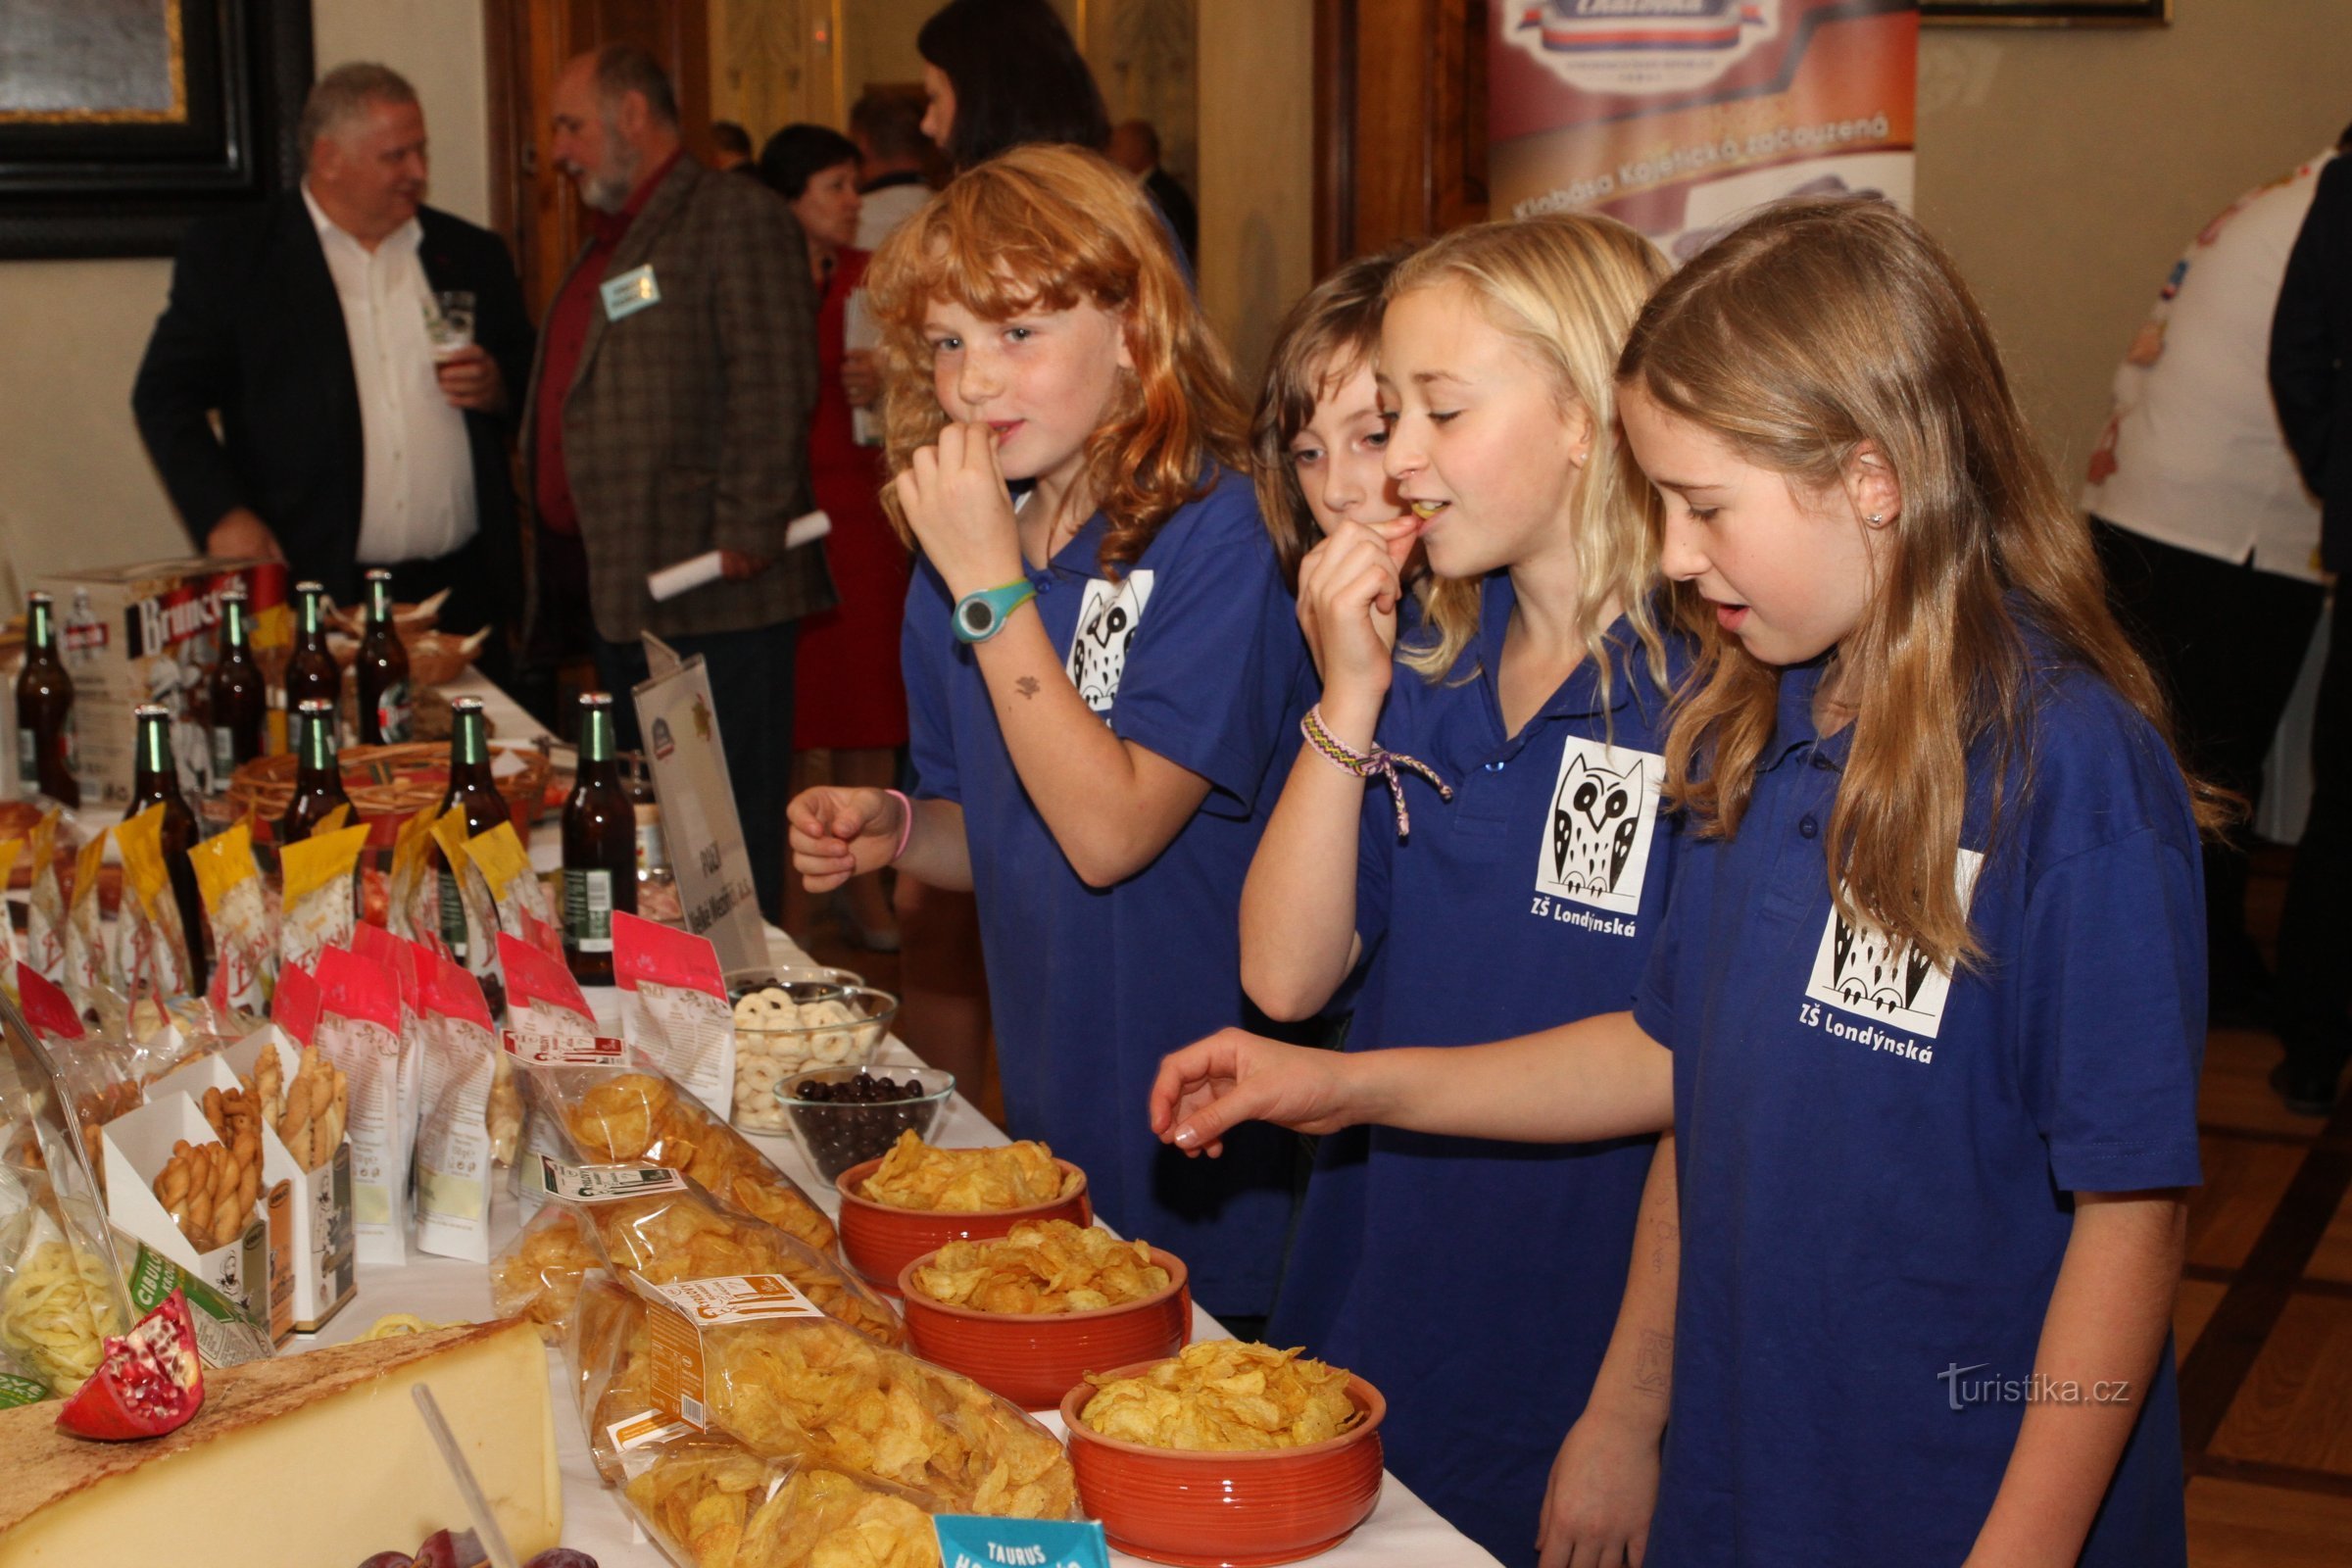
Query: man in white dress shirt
[[307, 327]]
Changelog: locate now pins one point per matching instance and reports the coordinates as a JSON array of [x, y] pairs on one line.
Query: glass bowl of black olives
[[843, 1115]]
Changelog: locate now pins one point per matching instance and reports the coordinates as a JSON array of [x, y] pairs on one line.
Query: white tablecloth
[[1402, 1531]]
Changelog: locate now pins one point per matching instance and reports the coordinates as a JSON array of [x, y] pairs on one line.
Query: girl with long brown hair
[[1101, 670], [1927, 1008]]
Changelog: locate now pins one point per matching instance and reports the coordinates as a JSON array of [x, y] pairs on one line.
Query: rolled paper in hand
[[690, 574]]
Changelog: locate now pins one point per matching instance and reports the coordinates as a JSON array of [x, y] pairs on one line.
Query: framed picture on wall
[[2050, 13], [121, 119]]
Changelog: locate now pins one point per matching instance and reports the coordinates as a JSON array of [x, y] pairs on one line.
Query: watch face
[[977, 615]]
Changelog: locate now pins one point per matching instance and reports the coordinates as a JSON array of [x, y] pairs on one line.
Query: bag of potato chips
[[633, 1116], [787, 1382], [244, 935], [45, 927], [655, 1223]]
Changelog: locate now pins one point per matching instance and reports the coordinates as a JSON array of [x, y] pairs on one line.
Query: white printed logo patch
[[1604, 808], [1862, 970], [1107, 621]]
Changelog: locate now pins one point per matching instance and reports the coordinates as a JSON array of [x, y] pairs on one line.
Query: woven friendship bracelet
[[1375, 763]]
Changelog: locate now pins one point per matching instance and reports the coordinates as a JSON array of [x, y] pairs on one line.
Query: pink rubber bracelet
[[905, 824]]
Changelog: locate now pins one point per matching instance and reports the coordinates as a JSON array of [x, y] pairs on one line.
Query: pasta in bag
[[655, 1224], [318, 909], [45, 925], [244, 926], [88, 966], [750, 1360], [152, 944]]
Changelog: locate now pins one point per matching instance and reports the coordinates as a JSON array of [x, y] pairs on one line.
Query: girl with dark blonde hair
[[1530, 694], [1102, 667], [1927, 1008]]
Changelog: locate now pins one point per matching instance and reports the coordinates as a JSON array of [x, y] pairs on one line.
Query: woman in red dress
[[850, 701]]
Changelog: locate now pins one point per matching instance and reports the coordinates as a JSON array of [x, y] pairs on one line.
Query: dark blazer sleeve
[[190, 368], [2306, 356], [765, 306]]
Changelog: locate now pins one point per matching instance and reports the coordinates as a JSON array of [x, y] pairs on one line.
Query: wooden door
[[532, 204], [1400, 122]]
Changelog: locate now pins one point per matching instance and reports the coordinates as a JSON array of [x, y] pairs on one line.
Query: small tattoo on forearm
[[1027, 686], [1653, 1365], [1664, 1240]]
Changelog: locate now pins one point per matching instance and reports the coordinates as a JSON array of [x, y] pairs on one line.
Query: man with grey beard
[[668, 419]]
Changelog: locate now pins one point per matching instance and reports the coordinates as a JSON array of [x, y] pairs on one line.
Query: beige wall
[[1256, 186], [2067, 168], [76, 488]]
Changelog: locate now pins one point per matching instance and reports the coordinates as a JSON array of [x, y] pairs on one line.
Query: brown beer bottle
[[387, 714], [240, 700], [154, 780], [318, 776], [470, 788], [312, 671], [45, 710], [600, 848]]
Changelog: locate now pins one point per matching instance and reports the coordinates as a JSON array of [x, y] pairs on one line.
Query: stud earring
[[1874, 520]]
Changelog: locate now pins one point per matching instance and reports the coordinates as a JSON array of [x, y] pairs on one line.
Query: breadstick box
[[166, 1187], [321, 1246]]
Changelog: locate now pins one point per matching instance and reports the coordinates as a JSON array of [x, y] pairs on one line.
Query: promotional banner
[[1679, 115]]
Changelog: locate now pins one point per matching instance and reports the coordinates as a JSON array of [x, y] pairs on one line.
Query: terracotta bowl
[[1227, 1509], [1035, 1359], [879, 1241]]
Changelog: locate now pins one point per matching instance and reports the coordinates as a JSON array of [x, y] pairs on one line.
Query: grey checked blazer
[[686, 427]]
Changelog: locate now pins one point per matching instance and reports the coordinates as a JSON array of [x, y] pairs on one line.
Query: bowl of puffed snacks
[[918, 1197], [1029, 1314], [794, 1025], [1228, 1453]]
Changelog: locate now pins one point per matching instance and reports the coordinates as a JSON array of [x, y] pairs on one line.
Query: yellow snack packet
[[478, 952], [415, 903], [515, 888], [318, 903], [10, 949], [333, 822], [154, 947], [85, 956], [244, 945], [45, 932]]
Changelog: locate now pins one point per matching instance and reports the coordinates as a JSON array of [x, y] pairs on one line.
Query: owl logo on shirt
[[1863, 969], [1604, 804], [1108, 618]]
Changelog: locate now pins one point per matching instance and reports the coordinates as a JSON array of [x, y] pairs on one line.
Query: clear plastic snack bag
[[412, 894], [319, 911], [655, 1224], [455, 1129], [89, 967], [236, 901], [45, 922], [674, 1007], [358, 1035]]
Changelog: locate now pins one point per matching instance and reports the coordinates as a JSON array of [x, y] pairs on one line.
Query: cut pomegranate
[[149, 1382]]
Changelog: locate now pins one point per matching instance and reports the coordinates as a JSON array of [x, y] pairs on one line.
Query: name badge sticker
[[632, 291], [969, 1541]]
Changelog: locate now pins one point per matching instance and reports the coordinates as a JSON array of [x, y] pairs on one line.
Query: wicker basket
[[387, 783], [435, 658]]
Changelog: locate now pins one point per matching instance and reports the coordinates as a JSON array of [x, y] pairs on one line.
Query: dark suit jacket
[[686, 426], [1177, 206], [255, 332], [2311, 358]]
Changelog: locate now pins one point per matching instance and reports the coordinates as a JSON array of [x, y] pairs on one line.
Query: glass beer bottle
[[600, 848], [386, 704], [241, 698], [45, 709], [318, 776], [471, 788], [155, 781], [312, 671]]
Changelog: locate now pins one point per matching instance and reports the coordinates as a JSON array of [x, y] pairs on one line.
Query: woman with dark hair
[[1003, 72], [849, 701]]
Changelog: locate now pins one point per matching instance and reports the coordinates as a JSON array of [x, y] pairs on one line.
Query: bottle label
[[588, 910], [225, 754], [452, 916], [395, 714], [652, 854], [28, 758]]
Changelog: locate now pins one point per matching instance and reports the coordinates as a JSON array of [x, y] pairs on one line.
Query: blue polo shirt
[[1476, 1282], [1877, 1158], [1193, 653]]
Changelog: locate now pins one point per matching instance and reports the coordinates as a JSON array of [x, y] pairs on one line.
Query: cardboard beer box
[[146, 633]]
